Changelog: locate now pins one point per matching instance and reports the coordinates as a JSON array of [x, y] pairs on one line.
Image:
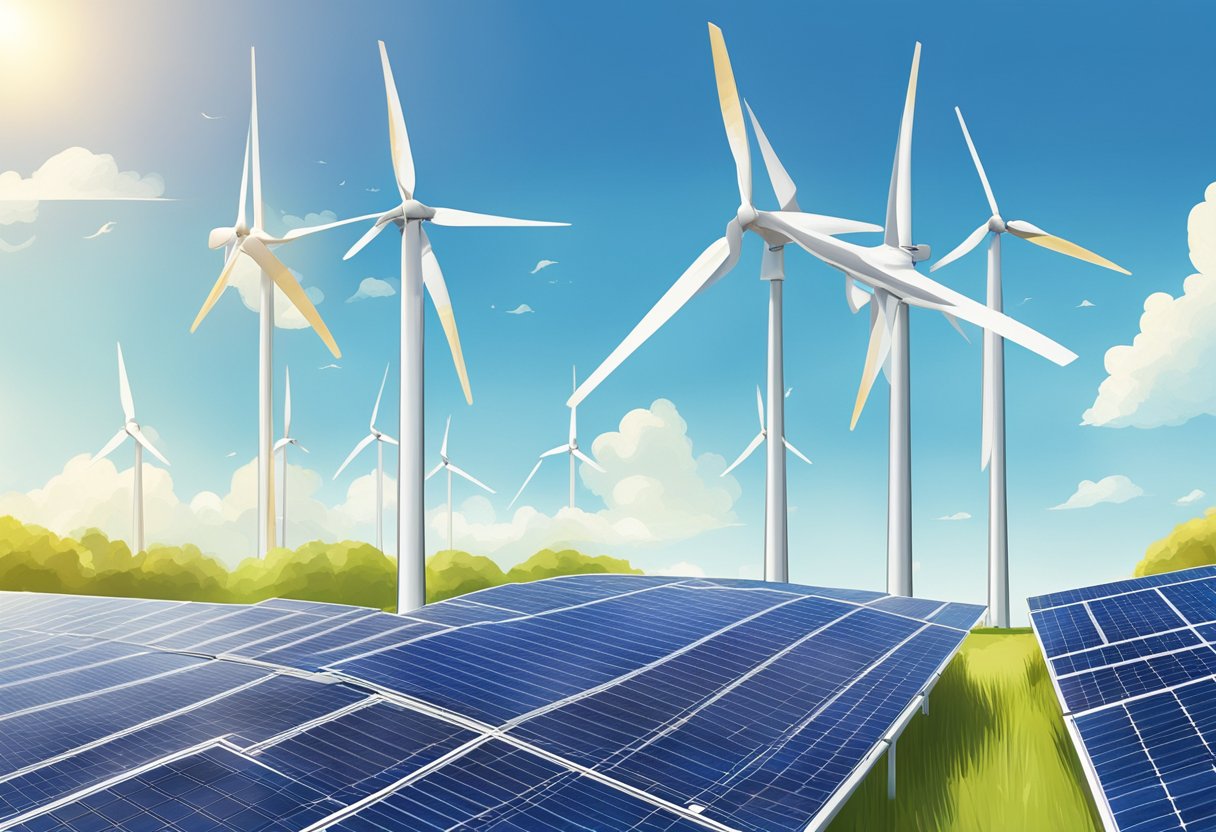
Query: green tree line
[[34, 559], [1190, 544]]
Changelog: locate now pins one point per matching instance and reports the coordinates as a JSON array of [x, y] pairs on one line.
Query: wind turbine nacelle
[[219, 237], [919, 252]]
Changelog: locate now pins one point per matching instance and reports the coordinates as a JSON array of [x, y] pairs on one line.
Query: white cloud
[[1085, 304], [372, 287], [1193, 497], [543, 264], [683, 569], [522, 309], [1162, 377], [73, 174], [98, 495], [655, 489], [291, 221], [958, 515], [1113, 489], [247, 278], [10, 248]]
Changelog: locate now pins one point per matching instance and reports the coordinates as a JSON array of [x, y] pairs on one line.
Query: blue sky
[[1092, 125]]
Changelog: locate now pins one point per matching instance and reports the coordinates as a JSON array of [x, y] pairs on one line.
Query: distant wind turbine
[[992, 447], [418, 268], [444, 462], [254, 243], [760, 437], [571, 447], [280, 447], [132, 429], [374, 435]]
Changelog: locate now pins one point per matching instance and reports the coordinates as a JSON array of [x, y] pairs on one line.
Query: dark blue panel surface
[[1072, 596], [1092, 688], [1133, 615], [1112, 653], [1196, 600], [1065, 629]]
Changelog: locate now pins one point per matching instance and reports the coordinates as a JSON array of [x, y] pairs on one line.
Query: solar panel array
[[1134, 664], [604, 702]]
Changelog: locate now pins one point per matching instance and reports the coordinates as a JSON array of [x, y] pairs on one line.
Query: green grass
[[992, 755]]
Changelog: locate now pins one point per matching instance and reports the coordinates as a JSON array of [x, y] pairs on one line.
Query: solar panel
[[1134, 665], [605, 702]]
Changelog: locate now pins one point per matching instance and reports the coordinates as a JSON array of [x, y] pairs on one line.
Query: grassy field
[[992, 755]]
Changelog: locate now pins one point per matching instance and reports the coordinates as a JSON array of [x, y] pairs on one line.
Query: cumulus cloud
[[372, 287], [73, 174], [1113, 489], [291, 221], [10, 248], [522, 309], [683, 569], [654, 489], [543, 264], [958, 515], [1162, 377], [1193, 497], [98, 495], [1085, 304]]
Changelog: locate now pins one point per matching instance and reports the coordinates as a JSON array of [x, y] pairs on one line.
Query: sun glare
[[14, 26]]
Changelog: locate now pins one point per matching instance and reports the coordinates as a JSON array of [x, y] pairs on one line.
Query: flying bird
[[106, 228], [330, 367], [522, 309], [372, 190], [230, 454], [543, 264], [210, 118], [343, 182], [322, 162], [10, 248], [789, 391]]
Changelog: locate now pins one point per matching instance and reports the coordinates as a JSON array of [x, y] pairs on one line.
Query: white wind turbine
[[444, 462], [716, 261], [418, 268], [889, 269], [254, 243], [380, 438], [993, 419], [570, 447], [280, 447], [782, 447], [132, 429]]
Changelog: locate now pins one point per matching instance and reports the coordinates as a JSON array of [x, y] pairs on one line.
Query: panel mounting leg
[[891, 770], [924, 705]]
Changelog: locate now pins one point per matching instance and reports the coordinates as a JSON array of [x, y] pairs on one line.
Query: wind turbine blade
[[760, 408], [253, 140], [854, 295], [973, 240], [398, 138], [755, 443], [732, 113], [285, 280], [1036, 235], [437, 288], [109, 447], [789, 447], [138, 436], [876, 353], [471, 219], [443, 449], [240, 208], [301, 447], [823, 224], [376, 407], [384, 437], [367, 237], [363, 443], [953, 321], [560, 449], [124, 389], [297, 233], [460, 472], [899, 197], [979, 167], [433, 472], [583, 457], [218, 289], [778, 176], [986, 413], [715, 261], [287, 401], [282, 443], [531, 474]]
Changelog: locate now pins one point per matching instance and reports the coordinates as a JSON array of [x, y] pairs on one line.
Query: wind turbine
[[418, 268], [889, 269], [571, 448], [280, 447], [444, 462], [254, 242], [993, 431], [374, 435], [716, 261], [760, 437], [132, 429]]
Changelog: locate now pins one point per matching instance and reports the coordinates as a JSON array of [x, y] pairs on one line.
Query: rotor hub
[[746, 215], [412, 209], [996, 224]]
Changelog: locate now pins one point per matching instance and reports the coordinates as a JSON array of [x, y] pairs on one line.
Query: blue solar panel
[[1143, 701], [602, 702]]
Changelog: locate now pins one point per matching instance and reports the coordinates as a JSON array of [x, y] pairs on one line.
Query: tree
[[1190, 544]]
